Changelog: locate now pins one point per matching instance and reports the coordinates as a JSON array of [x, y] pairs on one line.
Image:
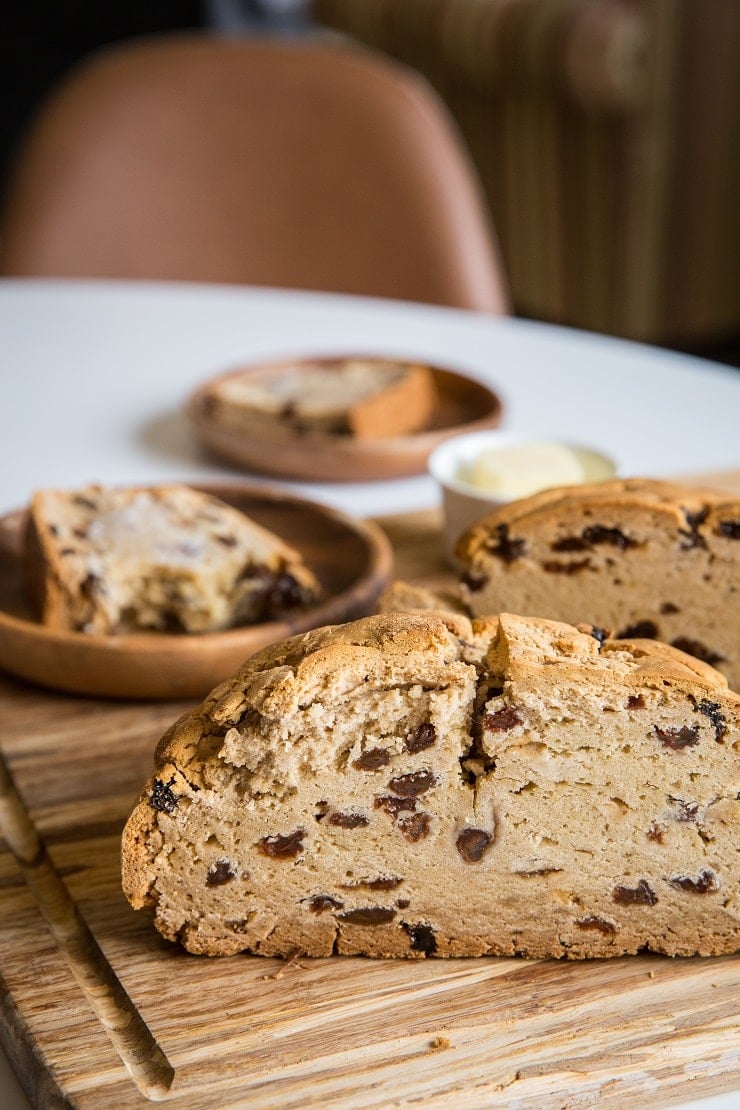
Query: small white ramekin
[[464, 503]]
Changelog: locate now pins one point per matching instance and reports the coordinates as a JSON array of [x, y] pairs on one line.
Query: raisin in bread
[[365, 398], [639, 557], [413, 784], [170, 558]]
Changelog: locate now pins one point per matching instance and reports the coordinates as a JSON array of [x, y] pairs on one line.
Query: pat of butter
[[525, 468]]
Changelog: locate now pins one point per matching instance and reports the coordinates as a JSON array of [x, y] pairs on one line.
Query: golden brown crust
[[41, 568]]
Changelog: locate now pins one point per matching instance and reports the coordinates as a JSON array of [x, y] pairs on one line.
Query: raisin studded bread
[[363, 398], [413, 784], [170, 558], [638, 557]]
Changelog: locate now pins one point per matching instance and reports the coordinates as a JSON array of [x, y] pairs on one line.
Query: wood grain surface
[[98, 1011]]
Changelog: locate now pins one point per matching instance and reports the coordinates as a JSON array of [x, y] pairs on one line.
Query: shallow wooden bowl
[[465, 405], [351, 558]]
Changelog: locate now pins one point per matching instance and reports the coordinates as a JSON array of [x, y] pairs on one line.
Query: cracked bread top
[[419, 784]]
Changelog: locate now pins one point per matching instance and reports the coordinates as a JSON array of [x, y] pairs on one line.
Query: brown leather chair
[[303, 165]]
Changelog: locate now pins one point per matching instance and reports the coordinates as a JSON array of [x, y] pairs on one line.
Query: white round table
[[95, 375]]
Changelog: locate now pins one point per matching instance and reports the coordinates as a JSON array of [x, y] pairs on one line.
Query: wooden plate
[[352, 559], [464, 405]]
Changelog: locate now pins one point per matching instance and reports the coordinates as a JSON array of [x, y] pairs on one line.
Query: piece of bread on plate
[[358, 397], [639, 557], [169, 558], [414, 784], [408, 597]]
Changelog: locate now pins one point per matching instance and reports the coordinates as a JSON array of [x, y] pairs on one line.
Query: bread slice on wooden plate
[[364, 398], [108, 561], [414, 784], [639, 557]]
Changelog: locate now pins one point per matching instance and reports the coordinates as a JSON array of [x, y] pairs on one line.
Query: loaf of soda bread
[[414, 784], [364, 398], [170, 558], [635, 556]]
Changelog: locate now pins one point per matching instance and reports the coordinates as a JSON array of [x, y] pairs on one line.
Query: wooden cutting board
[[98, 1011]]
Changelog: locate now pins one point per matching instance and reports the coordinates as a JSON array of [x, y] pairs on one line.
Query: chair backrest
[[297, 164]]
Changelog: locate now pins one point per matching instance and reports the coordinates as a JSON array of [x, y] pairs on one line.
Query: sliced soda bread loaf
[[414, 785], [638, 557]]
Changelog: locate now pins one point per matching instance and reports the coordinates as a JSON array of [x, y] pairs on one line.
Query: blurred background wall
[[607, 136]]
